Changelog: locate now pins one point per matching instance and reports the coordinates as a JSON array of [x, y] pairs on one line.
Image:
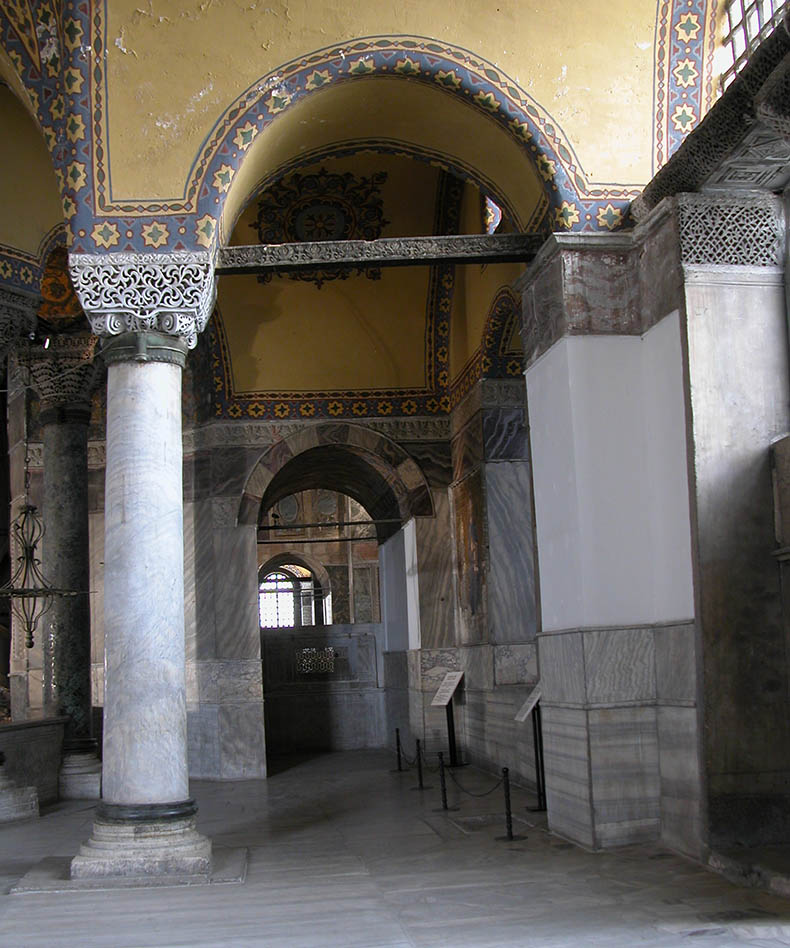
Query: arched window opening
[[290, 596], [746, 25]]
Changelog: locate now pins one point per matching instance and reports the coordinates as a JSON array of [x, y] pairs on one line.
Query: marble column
[[149, 309], [63, 375]]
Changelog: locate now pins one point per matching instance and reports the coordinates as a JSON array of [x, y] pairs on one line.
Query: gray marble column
[[149, 310]]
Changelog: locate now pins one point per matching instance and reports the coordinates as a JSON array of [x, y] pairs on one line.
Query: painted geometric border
[[685, 43], [23, 271]]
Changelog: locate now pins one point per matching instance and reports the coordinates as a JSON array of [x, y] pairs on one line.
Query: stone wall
[[33, 755]]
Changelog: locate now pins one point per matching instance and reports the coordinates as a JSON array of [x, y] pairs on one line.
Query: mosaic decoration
[[20, 271], [60, 309], [685, 39], [59, 54], [322, 206], [493, 359]]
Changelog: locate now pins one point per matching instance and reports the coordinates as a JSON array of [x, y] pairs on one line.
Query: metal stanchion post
[[420, 784], [509, 838], [443, 783]]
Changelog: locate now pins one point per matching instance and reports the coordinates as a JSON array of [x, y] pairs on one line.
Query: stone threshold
[[229, 867]]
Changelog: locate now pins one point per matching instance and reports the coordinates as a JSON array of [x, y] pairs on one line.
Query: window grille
[[746, 25]]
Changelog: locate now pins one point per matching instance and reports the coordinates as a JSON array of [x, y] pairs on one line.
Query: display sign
[[447, 689], [526, 709]]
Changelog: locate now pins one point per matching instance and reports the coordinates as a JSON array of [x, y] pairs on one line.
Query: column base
[[80, 777], [17, 803], [132, 849]]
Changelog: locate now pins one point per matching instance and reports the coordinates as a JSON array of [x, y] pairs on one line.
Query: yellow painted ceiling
[[358, 333], [29, 192], [174, 66]]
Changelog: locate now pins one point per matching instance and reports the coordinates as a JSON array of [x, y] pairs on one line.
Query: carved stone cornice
[[264, 433], [64, 373], [384, 252], [17, 315], [171, 293]]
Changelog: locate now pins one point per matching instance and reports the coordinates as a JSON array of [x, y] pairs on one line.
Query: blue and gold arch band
[[58, 52]]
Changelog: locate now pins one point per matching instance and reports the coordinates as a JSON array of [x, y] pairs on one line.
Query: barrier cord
[[469, 793]]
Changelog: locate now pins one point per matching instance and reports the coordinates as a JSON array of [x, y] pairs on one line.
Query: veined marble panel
[[681, 782], [471, 553], [229, 682], [566, 759], [242, 743], [512, 607], [505, 435], [236, 593], [434, 459], [230, 468], [414, 665], [199, 578], [515, 664], [676, 663], [492, 738], [561, 659], [338, 581], [467, 448], [477, 664], [396, 670], [435, 561], [346, 720], [203, 741], [620, 665], [625, 776]]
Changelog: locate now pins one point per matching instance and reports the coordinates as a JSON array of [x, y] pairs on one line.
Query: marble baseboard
[[681, 784], [493, 739], [567, 762]]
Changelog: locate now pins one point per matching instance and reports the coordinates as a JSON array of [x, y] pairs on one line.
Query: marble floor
[[344, 853]]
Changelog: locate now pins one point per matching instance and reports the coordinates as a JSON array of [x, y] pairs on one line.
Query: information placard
[[526, 709], [447, 689]]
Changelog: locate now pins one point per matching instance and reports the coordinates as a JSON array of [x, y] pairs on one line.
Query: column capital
[[144, 347], [17, 315], [63, 375], [169, 293]]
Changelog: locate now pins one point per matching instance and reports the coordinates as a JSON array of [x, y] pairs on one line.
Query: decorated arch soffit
[[58, 50]]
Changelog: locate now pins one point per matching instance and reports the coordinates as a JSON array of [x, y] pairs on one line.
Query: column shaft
[[145, 748], [67, 566]]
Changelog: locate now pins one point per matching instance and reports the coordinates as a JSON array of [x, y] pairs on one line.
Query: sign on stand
[[526, 709], [444, 698], [447, 689]]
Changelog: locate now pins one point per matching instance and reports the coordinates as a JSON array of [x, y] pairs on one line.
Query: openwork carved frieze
[[385, 252], [731, 229], [17, 316], [130, 292]]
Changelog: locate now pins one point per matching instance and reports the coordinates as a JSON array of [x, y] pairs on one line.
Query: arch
[[300, 559], [378, 473]]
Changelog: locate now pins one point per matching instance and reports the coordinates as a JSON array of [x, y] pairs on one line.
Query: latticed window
[[276, 600], [746, 25]]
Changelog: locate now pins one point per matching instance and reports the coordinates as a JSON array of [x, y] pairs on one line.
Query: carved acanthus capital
[[64, 373], [170, 293], [17, 315]]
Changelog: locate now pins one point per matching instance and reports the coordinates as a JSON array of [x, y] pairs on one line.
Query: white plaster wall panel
[[624, 773], [566, 756], [614, 522], [619, 665], [610, 476], [561, 661], [554, 472], [412, 583], [666, 476], [392, 573], [512, 612]]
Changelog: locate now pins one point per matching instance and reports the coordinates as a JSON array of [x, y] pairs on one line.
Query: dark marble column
[[63, 375]]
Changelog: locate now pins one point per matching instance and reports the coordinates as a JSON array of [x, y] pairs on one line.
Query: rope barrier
[[469, 792]]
